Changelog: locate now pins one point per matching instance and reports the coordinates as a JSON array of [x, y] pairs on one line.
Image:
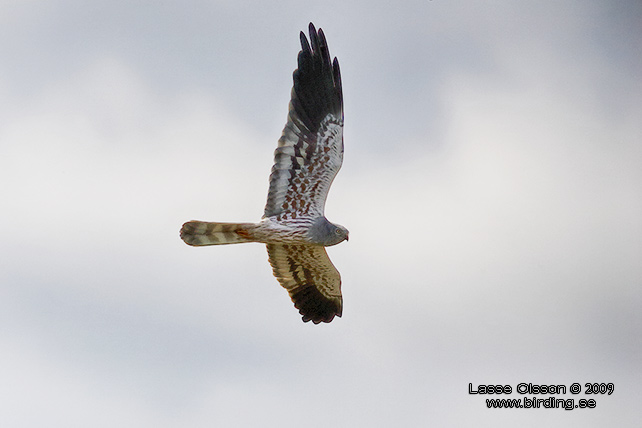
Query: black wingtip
[[314, 306], [317, 81]]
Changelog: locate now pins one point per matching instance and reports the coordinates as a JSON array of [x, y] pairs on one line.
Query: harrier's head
[[325, 233]]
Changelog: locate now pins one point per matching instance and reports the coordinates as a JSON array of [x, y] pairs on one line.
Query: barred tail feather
[[199, 233]]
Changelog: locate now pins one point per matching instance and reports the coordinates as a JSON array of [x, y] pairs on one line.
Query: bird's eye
[[338, 231]]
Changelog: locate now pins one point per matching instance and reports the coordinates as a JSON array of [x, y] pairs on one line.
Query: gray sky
[[491, 185]]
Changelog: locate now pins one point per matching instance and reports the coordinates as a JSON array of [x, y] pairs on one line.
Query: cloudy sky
[[491, 185]]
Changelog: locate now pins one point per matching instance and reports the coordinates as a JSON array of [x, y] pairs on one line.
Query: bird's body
[[270, 230], [308, 157]]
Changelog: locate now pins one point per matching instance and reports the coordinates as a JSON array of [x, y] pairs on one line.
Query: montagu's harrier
[[308, 157]]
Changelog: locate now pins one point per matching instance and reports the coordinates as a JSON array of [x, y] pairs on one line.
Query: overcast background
[[491, 185]]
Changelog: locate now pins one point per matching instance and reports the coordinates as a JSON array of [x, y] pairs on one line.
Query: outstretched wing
[[311, 279], [310, 150]]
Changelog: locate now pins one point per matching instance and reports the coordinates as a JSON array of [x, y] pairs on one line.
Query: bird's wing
[[312, 281], [310, 150]]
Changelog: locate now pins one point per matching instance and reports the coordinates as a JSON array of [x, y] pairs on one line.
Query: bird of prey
[[308, 157]]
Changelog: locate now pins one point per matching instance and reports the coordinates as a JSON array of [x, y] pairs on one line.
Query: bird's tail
[[199, 233]]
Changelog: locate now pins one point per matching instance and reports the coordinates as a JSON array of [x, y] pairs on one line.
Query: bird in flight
[[308, 157]]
